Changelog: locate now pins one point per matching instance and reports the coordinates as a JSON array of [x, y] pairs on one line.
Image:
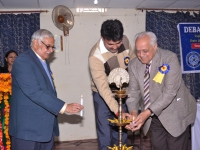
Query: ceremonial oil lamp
[[119, 76]]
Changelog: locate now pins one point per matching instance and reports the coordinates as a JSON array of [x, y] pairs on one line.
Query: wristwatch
[[151, 112]]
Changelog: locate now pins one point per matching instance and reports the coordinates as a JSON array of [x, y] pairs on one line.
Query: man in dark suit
[[167, 106], [34, 105]]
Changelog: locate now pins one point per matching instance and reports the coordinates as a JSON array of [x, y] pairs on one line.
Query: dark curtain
[[164, 25], [16, 32]]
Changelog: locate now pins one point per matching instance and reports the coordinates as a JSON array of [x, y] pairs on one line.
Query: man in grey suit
[[34, 104], [167, 107]]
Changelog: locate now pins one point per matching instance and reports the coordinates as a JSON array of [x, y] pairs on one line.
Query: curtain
[[164, 25], [16, 32]]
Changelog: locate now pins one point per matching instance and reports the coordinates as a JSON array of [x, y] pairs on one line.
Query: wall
[[70, 67]]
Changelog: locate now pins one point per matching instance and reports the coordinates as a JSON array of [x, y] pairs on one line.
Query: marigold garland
[[5, 93]]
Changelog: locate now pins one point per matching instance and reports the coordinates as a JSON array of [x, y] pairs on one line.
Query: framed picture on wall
[[58, 43]]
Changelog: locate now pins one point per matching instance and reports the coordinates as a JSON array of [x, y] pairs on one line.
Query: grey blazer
[[171, 101]]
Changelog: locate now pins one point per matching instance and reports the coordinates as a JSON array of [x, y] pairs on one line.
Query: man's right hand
[[133, 115], [73, 108]]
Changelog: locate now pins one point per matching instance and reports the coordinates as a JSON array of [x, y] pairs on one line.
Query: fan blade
[[69, 22]]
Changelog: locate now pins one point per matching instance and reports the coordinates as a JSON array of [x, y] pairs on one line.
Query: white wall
[[70, 67]]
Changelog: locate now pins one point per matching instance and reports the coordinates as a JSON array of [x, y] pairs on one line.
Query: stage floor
[[93, 144]]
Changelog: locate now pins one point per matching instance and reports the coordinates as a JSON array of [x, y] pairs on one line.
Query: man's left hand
[[139, 120]]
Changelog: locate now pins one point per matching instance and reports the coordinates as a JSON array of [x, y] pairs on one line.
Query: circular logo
[[193, 59]]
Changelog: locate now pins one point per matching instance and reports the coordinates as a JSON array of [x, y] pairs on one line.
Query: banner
[[189, 40]]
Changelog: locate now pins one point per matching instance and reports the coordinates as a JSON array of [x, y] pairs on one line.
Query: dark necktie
[[146, 87]]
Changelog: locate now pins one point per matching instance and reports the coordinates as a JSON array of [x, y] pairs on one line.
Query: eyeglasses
[[48, 47]]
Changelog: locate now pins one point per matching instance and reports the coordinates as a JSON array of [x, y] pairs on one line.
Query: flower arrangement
[[5, 93]]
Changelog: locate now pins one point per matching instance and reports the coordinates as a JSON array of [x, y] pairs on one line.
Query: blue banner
[[189, 39]]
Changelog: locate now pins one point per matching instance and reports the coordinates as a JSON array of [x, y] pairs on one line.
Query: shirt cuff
[[117, 114], [62, 111]]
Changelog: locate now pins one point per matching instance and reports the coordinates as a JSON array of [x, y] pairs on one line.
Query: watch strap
[[151, 112]]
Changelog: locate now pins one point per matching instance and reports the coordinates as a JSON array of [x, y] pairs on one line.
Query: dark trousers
[[163, 140], [107, 133], [19, 144]]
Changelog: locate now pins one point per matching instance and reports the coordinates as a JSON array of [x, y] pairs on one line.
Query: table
[[195, 129]]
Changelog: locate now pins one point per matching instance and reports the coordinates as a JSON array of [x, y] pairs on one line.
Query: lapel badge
[[126, 60], [162, 71]]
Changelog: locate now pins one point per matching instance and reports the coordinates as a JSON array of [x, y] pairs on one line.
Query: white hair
[[40, 34], [151, 35]]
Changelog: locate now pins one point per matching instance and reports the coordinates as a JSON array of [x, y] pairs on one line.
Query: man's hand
[[132, 117], [139, 120], [126, 116], [73, 108]]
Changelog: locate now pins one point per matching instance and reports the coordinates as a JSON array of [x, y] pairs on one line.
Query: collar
[[39, 56], [150, 63], [102, 47]]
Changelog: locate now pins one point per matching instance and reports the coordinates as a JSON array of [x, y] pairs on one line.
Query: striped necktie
[[146, 87]]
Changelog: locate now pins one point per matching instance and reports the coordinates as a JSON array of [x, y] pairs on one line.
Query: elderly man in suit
[[157, 88], [34, 105]]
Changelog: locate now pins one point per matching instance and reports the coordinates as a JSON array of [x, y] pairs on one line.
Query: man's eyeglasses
[[48, 47]]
